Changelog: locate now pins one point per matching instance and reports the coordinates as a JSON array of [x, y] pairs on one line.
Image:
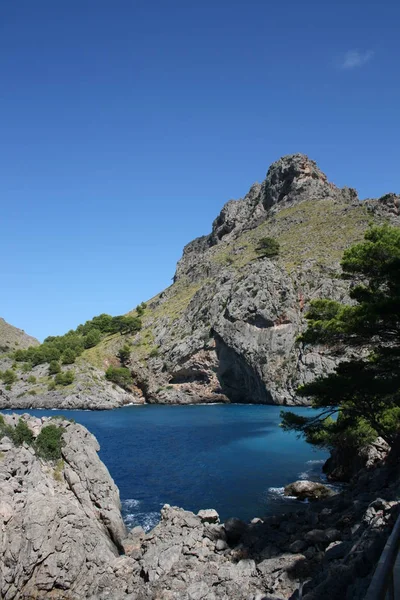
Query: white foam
[[130, 503], [133, 516]]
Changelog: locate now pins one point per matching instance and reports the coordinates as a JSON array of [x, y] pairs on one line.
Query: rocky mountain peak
[[293, 177], [290, 180]]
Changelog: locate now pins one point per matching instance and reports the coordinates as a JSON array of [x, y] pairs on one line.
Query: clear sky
[[125, 125]]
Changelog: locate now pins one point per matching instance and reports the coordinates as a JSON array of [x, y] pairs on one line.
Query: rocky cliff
[[62, 535], [227, 328]]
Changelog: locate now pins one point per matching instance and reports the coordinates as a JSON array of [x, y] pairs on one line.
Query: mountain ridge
[[227, 327]]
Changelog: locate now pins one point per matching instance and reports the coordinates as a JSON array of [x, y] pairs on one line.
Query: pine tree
[[364, 390]]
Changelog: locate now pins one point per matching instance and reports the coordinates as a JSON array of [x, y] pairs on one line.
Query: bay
[[234, 458]]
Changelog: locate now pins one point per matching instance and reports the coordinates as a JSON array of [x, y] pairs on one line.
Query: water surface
[[233, 458]]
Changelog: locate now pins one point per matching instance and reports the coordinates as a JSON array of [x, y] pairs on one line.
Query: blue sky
[[126, 125]]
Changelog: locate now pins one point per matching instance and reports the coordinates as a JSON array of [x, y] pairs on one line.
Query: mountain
[[226, 330], [12, 338]]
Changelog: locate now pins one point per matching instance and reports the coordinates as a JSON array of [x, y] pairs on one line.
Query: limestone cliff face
[[61, 528]]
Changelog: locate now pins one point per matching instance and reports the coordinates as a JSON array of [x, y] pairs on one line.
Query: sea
[[234, 458]]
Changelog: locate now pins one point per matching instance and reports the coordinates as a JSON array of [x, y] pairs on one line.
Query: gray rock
[[316, 536], [58, 532], [297, 546], [337, 550], [284, 562], [221, 545], [308, 490], [208, 516]]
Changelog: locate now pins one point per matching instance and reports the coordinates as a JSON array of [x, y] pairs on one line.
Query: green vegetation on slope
[[168, 306], [71, 345], [363, 391], [318, 230]]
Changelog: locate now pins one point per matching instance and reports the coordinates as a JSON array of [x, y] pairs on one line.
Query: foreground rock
[[62, 536], [61, 523]]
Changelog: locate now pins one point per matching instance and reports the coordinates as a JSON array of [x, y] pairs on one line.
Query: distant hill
[[12, 338]]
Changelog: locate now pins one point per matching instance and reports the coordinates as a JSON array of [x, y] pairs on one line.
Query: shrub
[[49, 442], [54, 367], [31, 379], [9, 377], [68, 357], [124, 354], [120, 375], [92, 338], [267, 247], [51, 386], [65, 378], [21, 433], [26, 367], [155, 352]]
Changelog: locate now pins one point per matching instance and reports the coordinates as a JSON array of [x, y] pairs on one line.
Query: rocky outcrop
[[61, 527], [90, 390], [308, 490], [62, 536], [344, 462]]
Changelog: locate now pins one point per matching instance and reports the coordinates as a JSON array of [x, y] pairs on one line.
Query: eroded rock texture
[[62, 536]]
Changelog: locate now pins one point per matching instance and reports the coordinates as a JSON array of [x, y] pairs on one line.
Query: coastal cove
[[233, 458]]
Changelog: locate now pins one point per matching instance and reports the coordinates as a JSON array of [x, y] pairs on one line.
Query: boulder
[[316, 536], [208, 515], [308, 490]]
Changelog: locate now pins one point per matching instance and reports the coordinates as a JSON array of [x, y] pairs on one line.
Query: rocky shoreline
[[62, 535]]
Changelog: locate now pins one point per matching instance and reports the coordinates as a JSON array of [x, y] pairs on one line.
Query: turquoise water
[[233, 458]]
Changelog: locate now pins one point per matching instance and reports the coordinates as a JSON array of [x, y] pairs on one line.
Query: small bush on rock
[[21, 433], [49, 442], [54, 367], [9, 377], [267, 247], [65, 378]]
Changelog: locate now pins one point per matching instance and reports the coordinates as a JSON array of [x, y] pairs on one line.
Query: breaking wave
[[133, 515]]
